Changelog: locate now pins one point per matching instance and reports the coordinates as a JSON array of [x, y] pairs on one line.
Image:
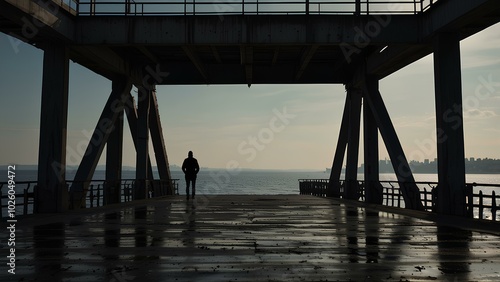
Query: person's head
[[190, 154]]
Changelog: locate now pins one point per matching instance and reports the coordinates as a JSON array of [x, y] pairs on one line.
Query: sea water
[[256, 182], [265, 182]]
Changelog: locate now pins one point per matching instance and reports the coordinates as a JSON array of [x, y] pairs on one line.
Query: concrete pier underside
[[249, 238]]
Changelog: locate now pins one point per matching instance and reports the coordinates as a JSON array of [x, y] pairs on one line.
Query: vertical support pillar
[[338, 159], [127, 7], [92, 7], [142, 148], [131, 112], [373, 189], [449, 125], [51, 193], [351, 173], [114, 156], [357, 8]]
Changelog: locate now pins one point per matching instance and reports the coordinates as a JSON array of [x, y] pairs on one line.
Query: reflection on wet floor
[[48, 247], [249, 238], [453, 252]]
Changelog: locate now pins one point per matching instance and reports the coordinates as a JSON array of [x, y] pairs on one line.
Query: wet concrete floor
[[246, 238]]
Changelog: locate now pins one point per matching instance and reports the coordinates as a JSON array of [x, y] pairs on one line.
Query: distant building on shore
[[472, 166]]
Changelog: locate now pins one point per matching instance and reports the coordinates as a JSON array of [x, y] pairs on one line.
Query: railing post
[[425, 198], [91, 195], [383, 193], [125, 192], [127, 7], [469, 191], [399, 197], [481, 206], [92, 7], [493, 206], [393, 195], [1, 210], [98, 194], [25, 206], [357, 11], [396, 194]]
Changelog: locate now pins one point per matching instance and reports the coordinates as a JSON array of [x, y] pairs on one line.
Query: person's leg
[[187, 188], [194, 187]]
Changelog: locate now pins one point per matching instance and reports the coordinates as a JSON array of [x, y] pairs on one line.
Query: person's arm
[[196, 167], [184, 168]]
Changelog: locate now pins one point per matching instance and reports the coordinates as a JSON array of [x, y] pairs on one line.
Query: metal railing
[[25, 195], [22, 200], [250, 7], [483, 200]]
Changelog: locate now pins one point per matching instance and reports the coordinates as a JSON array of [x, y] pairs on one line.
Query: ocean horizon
[[251, 181]]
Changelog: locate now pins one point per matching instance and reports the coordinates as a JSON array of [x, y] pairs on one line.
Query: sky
[[261, 127]]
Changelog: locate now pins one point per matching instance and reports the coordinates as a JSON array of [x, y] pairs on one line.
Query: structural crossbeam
[[306, 58], [338, 159], [159, 145], [104, 128], [196, 61], [410, 191]]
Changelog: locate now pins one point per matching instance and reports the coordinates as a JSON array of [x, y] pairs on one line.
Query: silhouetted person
[[190, 168]]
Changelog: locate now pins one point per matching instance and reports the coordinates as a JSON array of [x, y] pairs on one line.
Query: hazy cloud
[[423, 121], [479, 114]]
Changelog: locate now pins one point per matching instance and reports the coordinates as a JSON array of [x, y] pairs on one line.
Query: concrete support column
[[51, 193], [114, 156], [142, 147], [351, 173], [449, 125], [373, 189]]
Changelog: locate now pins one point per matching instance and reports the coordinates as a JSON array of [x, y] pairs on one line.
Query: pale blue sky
[[218, 122]]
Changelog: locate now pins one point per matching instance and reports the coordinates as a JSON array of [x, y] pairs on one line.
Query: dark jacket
[[190, 168]]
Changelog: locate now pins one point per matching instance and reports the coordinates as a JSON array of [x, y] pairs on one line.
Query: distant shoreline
[[326, 172]]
